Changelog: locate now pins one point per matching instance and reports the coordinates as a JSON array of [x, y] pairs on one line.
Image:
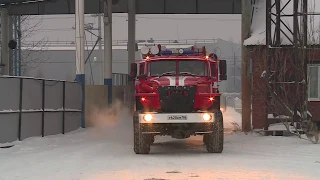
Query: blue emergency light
[[181, 51], [187, 51], [166, 52]]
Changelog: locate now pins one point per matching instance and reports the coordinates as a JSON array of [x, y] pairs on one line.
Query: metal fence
[[119, 79], [38, 107]]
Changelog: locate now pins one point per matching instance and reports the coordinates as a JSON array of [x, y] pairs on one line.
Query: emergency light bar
[[181, 51], [161, 50], [186, 51], [166, 52]]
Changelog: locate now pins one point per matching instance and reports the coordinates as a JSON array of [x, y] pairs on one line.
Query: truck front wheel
[[141, 141], [151, 139], [214, 141]]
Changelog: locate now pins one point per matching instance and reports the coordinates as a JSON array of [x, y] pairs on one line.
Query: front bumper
[[168, 118]]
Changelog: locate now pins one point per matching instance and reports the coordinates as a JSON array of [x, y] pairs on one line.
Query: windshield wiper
[[167, 73], [187, 73]]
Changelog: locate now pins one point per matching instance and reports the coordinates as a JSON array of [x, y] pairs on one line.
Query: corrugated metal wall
[[37, 107]]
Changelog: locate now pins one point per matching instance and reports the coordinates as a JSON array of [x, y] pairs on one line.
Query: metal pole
[[80, 73], [16, 50], [246, 90], [267, 62], [19, 43], [131, 46], [4, 42], [100, 57], [107, 19], [10, 36]]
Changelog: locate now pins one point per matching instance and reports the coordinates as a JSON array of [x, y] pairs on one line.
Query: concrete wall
[[37, 107]]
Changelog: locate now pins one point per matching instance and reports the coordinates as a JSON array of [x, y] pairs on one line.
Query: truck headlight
[[147, 117], [206, 117]]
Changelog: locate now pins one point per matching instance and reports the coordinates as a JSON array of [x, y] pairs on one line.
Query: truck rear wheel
[[141, 141], [214, 141]]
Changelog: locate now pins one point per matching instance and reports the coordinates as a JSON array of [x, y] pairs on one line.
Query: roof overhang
[[47, 7]]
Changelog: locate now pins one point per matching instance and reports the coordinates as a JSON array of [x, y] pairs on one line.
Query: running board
[[206, 132]]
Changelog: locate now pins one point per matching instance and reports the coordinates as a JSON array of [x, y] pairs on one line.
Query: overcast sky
[[164, 27]]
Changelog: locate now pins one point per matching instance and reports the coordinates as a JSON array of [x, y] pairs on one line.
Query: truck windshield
[[157, 68], [194, 67]]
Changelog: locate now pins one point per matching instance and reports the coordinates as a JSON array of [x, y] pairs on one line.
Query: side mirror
[[134, 70], [223, 69]]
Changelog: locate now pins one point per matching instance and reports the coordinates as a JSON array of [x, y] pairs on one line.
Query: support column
[[10, 36], [107, 19], [19, 44], [4, 42], [100, 56], [131, 46], [246, 84], [15, 23], [80, 65]]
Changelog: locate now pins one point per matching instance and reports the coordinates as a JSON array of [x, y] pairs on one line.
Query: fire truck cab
[[176, 94]]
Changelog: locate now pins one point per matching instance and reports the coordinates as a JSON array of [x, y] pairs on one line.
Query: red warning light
[[143, 99]]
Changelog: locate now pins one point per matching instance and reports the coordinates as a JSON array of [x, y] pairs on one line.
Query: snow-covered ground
[[107, 153]]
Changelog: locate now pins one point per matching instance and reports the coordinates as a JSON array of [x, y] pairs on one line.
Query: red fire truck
[[176, 94]]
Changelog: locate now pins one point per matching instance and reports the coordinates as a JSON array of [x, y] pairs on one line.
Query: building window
[[314, 82]]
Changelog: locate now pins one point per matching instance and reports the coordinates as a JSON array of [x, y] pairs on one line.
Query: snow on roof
[[258, 26]]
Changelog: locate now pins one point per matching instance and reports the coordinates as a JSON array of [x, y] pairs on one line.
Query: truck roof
[[154, 53], [176, 57]]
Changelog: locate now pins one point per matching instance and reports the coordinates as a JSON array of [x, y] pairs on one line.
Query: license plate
[[177, 117]]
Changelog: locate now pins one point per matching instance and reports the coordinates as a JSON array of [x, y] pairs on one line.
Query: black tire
[[214, 142], [205, 138], [151, 139], [141, 141]]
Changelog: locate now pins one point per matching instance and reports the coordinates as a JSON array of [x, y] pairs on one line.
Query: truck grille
[[177, 99]]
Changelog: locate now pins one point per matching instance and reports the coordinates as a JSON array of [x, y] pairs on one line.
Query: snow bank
[[258, 26]]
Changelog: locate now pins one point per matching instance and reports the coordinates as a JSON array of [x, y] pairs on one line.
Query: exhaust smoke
[[100, 117], [110, 121], [232, 119]]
